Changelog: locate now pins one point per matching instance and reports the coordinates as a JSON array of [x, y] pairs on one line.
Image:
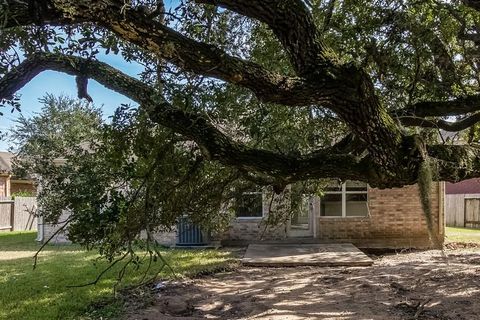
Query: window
[[345, 200], [249, 205]]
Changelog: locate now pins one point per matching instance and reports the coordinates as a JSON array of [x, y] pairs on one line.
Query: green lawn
[[43, 294], [462, 235]]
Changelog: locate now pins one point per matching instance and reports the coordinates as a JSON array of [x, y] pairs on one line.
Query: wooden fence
[[462, 210], [18, 214]]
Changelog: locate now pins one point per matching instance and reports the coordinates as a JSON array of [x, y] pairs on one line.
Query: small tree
[[62, 128]]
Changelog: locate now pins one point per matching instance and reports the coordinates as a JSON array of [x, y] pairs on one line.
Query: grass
[[43, 293], [462, 235]]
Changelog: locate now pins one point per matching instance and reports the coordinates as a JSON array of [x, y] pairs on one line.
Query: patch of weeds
[[230, 266], [131, 299]]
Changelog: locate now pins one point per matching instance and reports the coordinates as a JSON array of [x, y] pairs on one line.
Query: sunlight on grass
[[462, 235], [43, 293]]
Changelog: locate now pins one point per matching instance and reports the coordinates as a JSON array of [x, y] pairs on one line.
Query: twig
[[160, 256], [269, 211], [157, 252], [35, 256], [122, 271], [421, 307], [148, 267], [94, 282]]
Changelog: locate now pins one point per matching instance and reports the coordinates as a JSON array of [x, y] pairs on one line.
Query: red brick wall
[[4, 186], [395, 220], [22, 187]]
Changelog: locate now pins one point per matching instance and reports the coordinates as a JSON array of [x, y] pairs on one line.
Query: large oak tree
[[273, 91]]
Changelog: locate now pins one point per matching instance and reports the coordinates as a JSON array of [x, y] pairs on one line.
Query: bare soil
[[410, 285]]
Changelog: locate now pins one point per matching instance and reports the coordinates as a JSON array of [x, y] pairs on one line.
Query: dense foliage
[[236, 94]]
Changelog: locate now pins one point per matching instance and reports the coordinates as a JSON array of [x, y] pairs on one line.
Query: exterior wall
[[49, 229], [8, 186], [22, 186], [252, 230], [4, 185], [395, 220], [166, 238]]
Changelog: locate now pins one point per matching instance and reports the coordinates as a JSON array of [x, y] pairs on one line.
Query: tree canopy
[[269, 92]]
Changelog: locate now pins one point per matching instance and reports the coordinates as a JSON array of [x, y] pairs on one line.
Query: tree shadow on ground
[[395, 287]]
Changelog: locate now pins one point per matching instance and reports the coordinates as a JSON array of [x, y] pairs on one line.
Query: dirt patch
[[416, 285]]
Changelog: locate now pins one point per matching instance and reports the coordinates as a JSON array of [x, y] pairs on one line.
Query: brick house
[[9, 184], [351, 212]]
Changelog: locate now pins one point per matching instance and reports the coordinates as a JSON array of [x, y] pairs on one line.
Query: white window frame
[[252, 218], [344, 193]]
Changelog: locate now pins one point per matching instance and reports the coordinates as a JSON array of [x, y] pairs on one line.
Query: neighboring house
[[15, 214], [462, 203], [352, 212], [9, 184]]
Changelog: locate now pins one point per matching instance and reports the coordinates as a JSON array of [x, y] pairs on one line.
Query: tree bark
[[391, 157]]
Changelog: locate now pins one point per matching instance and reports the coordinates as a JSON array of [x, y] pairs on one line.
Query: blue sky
[[58, 83]]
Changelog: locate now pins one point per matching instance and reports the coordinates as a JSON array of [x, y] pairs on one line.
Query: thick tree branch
[[474, 37], [474, 4], [188, 54], [76, 66], [455, 162], [455, 126], [214, 144], [328, 16], [392, 159], [292, 23], [455, 107], [283, 168], [346, 90]]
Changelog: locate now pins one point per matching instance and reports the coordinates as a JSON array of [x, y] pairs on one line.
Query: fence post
[[12, 216]]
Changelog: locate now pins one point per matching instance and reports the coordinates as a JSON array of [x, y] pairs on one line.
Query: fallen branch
[[421, 307]]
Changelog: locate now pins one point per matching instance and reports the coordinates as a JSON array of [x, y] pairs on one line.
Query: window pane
[[249, 205], [331, 205], [302, 215], [356, 186], [357, 205]]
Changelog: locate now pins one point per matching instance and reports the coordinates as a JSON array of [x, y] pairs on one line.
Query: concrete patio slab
[[290, 255]]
